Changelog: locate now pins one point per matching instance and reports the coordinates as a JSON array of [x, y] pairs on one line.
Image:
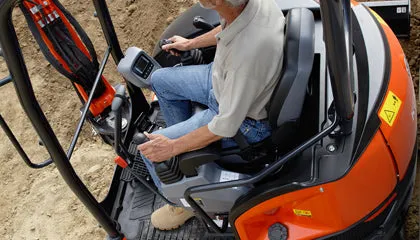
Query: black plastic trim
[[373, 123], [363, 77]]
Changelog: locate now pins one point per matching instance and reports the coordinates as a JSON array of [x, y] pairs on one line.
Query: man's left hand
[[158, 149]]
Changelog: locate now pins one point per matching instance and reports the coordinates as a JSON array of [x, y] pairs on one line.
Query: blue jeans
[[176, 88]]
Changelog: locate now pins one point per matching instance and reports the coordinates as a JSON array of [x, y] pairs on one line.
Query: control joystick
[[201, 23], [168, 171], [191, 57], [164, 42], [140, 138]]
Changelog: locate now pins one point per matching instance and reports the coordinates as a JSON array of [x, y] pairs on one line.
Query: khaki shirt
[[247, 65]]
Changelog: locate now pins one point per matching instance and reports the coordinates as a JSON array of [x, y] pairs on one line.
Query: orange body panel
[[402, 135], [333, 206], [99, 104]]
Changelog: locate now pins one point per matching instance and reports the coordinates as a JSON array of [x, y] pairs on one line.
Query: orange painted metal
[[333, 206], [402, 135], [98, 104]]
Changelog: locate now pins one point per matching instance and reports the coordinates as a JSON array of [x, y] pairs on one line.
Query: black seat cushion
[[287, 101]]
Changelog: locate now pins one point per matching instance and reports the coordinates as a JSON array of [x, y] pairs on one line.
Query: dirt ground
[[37, 204]]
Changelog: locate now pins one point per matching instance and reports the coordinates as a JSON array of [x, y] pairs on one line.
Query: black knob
[[201, 23], [140, 138], [164, 42]]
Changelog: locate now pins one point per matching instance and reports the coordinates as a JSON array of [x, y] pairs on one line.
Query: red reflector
[[121, 162]]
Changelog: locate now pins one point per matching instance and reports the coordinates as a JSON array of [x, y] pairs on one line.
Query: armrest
[[190, 161]]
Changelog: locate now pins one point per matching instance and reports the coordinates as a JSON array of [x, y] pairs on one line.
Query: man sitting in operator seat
[[236, 87]]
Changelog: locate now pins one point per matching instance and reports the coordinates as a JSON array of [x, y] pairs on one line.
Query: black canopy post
[[336, 19], [108, 29]]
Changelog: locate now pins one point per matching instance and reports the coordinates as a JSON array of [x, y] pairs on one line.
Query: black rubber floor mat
[[137, 207]]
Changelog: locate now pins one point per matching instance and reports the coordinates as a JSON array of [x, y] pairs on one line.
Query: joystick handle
[[165, 42], [201, 23], [140, 138]]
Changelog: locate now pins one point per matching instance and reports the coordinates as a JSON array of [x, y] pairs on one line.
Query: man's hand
[[179, 43], [158, 149]]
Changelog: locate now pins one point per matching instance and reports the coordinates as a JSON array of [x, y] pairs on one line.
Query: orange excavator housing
[[330, 208]]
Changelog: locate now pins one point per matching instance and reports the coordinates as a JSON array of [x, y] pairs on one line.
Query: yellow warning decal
[[391, 108], [302, 213]]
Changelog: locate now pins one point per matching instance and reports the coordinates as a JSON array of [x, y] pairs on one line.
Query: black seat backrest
[[287, 101]]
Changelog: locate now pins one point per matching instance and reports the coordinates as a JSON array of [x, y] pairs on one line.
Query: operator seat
[[284, 108]]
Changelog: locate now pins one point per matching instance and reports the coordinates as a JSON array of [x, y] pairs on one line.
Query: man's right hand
[[179, 43]]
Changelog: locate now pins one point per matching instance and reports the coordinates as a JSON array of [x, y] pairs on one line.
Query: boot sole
[[173, 228]]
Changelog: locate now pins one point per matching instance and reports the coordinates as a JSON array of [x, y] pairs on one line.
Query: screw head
[[331, 148]]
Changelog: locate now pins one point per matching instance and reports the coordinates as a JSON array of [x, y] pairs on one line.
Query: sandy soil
[[36, 204]]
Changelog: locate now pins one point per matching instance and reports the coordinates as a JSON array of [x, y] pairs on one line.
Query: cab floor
[[136, 206]]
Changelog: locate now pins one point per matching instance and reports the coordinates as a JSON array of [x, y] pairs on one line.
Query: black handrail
[[5, 81], [256, 178], [89, 102], [19, 148], [25, 93]]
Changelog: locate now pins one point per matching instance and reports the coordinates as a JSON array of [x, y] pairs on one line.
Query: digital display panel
[[142, 64]]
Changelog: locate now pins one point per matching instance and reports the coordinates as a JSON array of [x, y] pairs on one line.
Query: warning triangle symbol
[[390, 115]]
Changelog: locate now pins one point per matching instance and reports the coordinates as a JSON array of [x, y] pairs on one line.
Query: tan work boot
[[169, 217]]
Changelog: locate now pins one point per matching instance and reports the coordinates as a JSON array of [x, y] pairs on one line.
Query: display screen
[[142, 64]]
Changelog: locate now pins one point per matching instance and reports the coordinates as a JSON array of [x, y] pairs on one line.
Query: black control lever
[[116, 107], [140, 138], [191, 57], [167, 41], [201, 23]]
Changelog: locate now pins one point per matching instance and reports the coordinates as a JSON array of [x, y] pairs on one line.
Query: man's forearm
[[206, 40], [197, 139]]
